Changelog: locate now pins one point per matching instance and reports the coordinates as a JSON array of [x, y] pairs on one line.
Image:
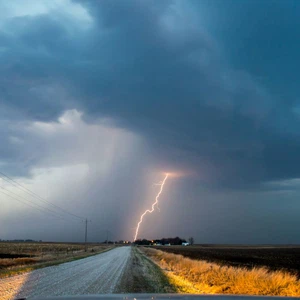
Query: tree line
[[164, 241]]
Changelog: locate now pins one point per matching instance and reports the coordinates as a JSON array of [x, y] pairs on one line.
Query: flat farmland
[[273, 257], [16, 258]]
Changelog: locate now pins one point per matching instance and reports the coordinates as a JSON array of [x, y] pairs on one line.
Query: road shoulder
[[141, 275]]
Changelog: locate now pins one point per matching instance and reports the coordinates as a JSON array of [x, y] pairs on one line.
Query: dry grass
[[141, 275], [40, 249], [21, 261], [196, 276], [41, 255]]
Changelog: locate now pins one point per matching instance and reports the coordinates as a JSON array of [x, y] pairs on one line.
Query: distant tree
[[165, 241], [191, 240], [173, 241], [146, 242], [178, 241], [142, 242]]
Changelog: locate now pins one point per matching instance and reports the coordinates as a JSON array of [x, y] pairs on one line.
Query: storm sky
[[99, 99]]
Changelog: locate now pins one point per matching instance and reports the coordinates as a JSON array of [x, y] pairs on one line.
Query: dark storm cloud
[[156, 70], [263, 39]]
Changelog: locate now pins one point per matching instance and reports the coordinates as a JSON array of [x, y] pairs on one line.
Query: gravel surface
[[93, 275]]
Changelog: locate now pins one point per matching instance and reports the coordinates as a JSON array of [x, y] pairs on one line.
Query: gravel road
[[93, 275]]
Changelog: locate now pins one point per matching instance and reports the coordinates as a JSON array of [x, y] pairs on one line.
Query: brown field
[[202, 277], [16, 258], [285, 258]]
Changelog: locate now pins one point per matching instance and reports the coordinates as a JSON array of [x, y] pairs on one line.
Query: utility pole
[[85, 240], [106, 237]]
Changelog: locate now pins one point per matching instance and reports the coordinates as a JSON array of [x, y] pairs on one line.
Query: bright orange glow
[[153, 206]]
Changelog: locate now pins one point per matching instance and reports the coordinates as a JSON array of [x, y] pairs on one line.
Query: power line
[[55, 213], [33, 203], [33, 194], [28, 204]]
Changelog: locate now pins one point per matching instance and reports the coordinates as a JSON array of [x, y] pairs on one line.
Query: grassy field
[[273, 257], [16, 258], [202, 277]]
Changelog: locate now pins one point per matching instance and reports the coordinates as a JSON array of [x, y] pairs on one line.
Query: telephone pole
[[106, 237], [85, 238]]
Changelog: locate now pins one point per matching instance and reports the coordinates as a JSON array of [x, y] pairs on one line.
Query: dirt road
[[93, 275]]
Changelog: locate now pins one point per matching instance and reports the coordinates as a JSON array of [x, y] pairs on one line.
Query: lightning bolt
[[153, 206]]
